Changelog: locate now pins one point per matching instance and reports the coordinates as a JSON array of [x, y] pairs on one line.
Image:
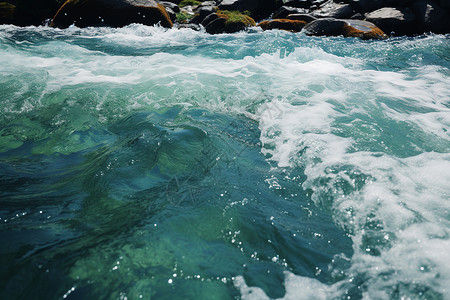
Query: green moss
[[189, 2], [235, 16], [183, 17]]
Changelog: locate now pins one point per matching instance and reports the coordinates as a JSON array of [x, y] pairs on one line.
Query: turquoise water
[[141, 163]]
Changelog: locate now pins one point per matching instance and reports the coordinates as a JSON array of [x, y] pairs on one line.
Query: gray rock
[[201, 13], [394, 21], [297, 3], [174, 7], [301, 17], [331, 9], [284, 11]]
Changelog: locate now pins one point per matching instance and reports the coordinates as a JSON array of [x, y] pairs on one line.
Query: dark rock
[[346, 28], [445, 4], [395, 21], [297, 3], [301, 17], [259, 9], [227, 22], [431, 17], [283, 24], [174, 7], [28, 12], [331, 9], [202, 12], [194, 27], [174, 1], [366, 5], [171, 8], [208, 19], [114, 13], [357, 16], [7, 12], [284, 11], [325, 27]]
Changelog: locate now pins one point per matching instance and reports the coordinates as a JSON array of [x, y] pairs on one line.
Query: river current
[[151, 163]]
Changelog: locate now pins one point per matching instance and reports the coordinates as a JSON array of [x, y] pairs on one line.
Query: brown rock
[[283, 24], [362, 29], [346, 28], [227, 22]]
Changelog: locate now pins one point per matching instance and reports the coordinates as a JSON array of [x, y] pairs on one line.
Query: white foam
[[409, 197]]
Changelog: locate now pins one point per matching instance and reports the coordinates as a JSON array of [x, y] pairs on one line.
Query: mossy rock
[[283, 24], [189, 2], [236, 17], [224, 21]]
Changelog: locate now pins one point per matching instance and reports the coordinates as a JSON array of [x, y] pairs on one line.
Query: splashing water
[[143, 162]]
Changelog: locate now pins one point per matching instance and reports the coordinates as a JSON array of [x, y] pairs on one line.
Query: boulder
[[325, 27], [331, 9], [431, 17], [171, 8], [366, 5], [167, 4], [297, 3], [7, 12], [116, 13], [37, 13], [259, 9], [202, 12], [301, 17], [362, 29], [284, 11], [346, 28], [283, 24], [395, 21], [227, 22]]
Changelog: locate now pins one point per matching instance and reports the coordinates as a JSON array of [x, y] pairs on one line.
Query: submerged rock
[[114, 13], [346, 28], [283, 24]]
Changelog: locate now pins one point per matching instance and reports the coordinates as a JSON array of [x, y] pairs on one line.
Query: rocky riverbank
[[366, 19]]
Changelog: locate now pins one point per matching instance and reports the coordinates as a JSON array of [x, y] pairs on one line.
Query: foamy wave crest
[[387, 190]]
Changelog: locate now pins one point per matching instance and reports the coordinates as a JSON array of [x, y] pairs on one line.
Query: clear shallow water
[[170, 164]]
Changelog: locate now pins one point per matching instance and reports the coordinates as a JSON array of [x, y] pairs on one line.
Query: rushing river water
[[147, 163]]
